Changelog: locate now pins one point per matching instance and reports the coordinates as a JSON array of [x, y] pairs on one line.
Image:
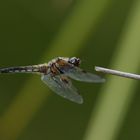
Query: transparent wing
[[62, 86], [81, 75]]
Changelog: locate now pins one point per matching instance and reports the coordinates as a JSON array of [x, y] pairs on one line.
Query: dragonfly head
[[75, 61]]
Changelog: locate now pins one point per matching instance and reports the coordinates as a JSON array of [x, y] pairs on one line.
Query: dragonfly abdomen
[[21, 69]]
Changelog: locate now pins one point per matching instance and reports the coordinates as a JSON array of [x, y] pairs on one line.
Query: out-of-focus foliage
[[100, 32]]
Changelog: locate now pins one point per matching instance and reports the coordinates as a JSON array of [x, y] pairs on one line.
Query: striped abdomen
[[25, 69]]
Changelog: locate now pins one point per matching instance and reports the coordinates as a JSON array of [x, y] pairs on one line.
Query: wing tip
[[78, 100], [97, 80], [102, 80]]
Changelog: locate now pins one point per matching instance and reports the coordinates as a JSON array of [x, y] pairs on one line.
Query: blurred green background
[[102, 33]]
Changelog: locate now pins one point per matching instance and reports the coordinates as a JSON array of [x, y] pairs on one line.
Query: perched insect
[[56, 74]]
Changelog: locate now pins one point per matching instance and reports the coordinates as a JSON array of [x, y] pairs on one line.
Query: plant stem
[[118, 73]]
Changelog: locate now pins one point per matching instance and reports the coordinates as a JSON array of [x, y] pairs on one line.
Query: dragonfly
[[57, 75]]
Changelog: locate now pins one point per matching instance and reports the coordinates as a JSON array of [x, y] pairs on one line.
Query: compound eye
[[75, 61]]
